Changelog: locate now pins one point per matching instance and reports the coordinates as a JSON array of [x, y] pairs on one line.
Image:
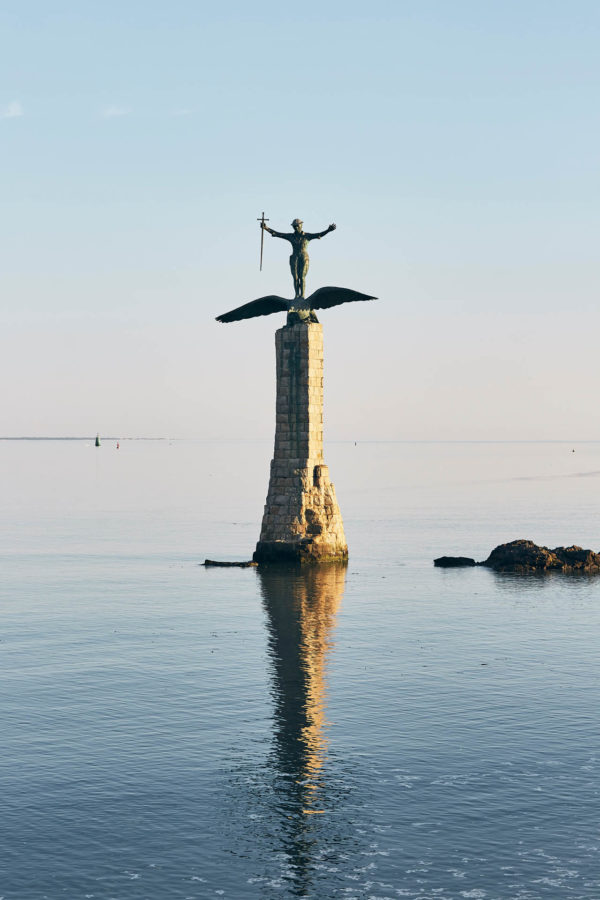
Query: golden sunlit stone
[[302, 520]]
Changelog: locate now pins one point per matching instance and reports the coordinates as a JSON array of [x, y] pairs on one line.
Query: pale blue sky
[[456, 146]]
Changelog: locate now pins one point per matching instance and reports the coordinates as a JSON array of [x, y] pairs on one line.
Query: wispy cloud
[[182, 111], [112, 112], [13, 111]]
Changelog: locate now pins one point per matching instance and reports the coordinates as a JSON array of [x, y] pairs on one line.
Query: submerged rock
[[226, 565], [525, 556], [453, 562]]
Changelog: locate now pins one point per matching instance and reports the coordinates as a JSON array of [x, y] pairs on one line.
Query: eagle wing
[[325, 297], [264, 306]]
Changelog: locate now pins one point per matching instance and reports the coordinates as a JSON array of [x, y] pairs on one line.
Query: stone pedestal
[[302, 521]]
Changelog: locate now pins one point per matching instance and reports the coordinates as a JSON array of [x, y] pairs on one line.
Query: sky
[[455, 145]]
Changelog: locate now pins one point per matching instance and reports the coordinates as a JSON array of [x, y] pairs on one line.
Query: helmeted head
[[297, 224]]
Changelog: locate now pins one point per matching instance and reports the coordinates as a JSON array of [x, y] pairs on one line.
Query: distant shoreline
[[226, 440], [88, 438]]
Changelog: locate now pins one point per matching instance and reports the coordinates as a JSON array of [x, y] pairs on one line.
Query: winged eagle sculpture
[[301, 308]]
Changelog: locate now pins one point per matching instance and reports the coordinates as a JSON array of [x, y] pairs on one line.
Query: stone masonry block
[[301, 504]]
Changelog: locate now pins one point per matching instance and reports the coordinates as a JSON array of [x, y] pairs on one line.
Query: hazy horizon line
[[330, 441]]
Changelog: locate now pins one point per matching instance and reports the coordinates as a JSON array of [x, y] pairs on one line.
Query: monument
[[302, 520]]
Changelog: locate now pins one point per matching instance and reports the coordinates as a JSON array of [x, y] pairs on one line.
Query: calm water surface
[[386, 730]]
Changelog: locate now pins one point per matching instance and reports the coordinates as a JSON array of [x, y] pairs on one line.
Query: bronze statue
[[299, 259], [301, 308]]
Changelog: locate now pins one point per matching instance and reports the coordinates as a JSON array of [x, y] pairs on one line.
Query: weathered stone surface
[[305, 550], [302, 521], [453, 562], [525, 556]]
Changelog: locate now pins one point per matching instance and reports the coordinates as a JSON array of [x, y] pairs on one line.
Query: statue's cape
[[323, 298]]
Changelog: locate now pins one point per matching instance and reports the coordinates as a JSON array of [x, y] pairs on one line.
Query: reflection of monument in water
[[301, 606]]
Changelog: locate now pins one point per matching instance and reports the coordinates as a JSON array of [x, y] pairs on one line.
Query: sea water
[[383, 730]]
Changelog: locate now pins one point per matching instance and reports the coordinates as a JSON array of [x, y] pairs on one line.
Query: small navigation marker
[[98, 440]]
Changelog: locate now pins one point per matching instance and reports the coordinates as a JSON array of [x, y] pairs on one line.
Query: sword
[[262, 237]]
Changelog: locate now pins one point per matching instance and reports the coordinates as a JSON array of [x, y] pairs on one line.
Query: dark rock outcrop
[[227, 565], [525, 556], [575, 558], [453, 562]]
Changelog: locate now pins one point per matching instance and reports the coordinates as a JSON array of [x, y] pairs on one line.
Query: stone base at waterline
[[298, 552], [302, 521]]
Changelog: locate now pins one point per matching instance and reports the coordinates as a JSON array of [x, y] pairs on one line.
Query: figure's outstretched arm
[[319, 234], [279, 234]]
